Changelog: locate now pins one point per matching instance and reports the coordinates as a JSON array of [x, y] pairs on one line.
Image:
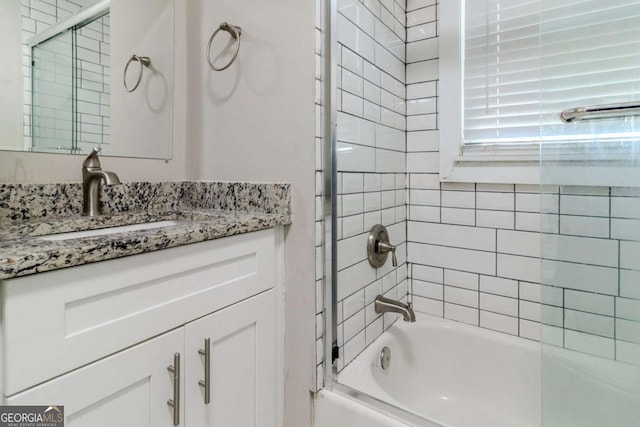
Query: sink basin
[[109, 230]]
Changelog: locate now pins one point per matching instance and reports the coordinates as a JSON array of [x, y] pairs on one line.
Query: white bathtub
[[463, 376]]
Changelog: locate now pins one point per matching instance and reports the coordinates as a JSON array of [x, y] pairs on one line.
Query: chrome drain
[[385, 358]]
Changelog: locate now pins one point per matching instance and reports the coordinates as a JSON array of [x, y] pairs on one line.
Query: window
[[509, 67]]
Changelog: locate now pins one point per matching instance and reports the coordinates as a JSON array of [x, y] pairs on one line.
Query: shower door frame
[[329, 10], [329, 199]]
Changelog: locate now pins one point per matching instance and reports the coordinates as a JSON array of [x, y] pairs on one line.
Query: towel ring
[[144, 61], [235, 32]]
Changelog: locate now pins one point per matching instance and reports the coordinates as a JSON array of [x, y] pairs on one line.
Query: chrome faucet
[[92, 175], [385, 305]]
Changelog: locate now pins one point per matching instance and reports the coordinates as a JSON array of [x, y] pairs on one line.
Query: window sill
[[578, 172], [491, 171]]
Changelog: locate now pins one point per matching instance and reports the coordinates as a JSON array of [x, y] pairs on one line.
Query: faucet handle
[[92, 161], [378, 247], [385, 247]]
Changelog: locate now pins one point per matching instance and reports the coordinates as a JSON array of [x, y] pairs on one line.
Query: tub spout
[[384, 305]]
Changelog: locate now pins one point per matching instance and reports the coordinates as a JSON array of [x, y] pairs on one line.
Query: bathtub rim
[[384, 408]]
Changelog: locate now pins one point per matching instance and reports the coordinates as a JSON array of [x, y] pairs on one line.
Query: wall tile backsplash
[[490, 275]]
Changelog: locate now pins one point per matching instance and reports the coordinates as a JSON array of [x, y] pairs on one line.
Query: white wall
[[142, 119], [255, 122], [10, 76]]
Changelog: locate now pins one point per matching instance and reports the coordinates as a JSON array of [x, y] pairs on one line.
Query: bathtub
[[463, 376]]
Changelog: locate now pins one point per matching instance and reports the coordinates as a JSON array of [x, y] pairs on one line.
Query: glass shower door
[[590, 204], [71, 89], [53, 94]]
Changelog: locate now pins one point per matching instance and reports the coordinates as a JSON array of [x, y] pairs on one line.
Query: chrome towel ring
[[235, 32], [144, 61]]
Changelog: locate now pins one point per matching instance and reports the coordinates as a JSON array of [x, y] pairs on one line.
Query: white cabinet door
[[242, 366], [128, 389]]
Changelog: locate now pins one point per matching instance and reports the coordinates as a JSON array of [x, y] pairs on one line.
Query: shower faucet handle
[[378, 247], [385, 247]]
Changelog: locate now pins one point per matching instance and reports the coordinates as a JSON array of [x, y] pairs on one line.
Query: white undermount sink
[[109, 230]]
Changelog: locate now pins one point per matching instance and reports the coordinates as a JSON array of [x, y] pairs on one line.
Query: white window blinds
[[527, 60]]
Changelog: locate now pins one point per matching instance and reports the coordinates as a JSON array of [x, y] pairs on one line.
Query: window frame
[[562, 164], [487, 164]]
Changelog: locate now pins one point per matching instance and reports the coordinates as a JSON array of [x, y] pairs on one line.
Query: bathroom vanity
[[187, 335]]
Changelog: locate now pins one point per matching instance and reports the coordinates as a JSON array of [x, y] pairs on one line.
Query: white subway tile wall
[[553, 263], [558, 263], [51, 119], [371, 125]]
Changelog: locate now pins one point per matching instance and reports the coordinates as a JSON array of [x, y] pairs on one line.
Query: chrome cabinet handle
[[206, 383], [175, 402]]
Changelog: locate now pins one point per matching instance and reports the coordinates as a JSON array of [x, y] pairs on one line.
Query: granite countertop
[[23, 251]]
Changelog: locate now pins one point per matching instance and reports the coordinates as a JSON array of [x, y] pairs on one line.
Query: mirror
[[78, 74]]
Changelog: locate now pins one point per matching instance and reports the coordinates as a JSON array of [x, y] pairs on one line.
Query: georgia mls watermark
[[31, 416]]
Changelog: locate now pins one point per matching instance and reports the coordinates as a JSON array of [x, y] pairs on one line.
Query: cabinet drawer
[[57, 321]]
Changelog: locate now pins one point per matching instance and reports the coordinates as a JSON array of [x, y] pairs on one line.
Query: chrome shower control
[[385, 247], [378, 247]]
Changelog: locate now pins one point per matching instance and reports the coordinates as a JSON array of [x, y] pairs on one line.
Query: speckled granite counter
[[202, 211]]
